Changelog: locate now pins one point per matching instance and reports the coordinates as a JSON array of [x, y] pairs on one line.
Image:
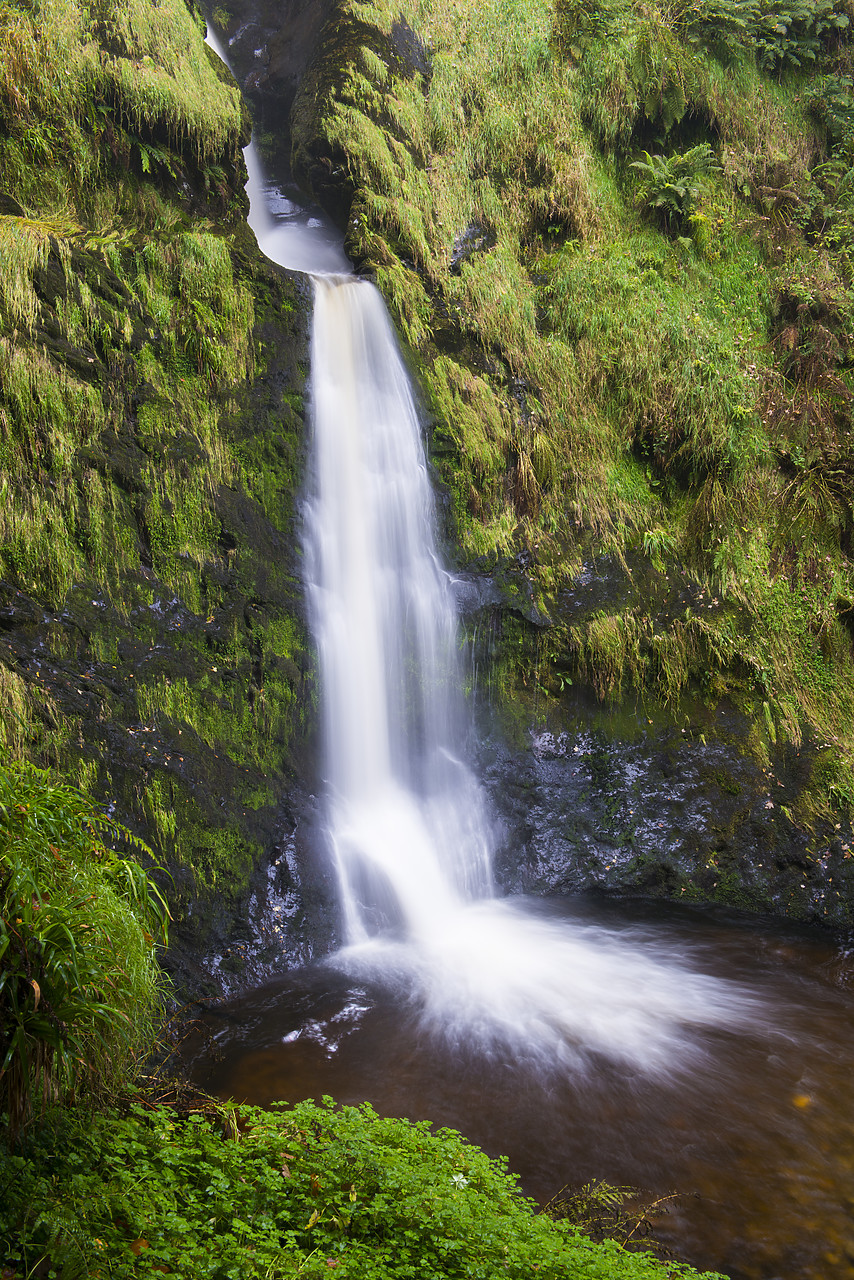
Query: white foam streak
[[496, 979]]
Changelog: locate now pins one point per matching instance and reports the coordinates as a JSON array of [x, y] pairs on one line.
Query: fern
[[781, 32], [671, 185]]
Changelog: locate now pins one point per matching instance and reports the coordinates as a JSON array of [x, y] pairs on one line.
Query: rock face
[[152, 394], [663, 812], [271, 45]]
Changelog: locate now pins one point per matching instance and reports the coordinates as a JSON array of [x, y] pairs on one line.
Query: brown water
[[756, 1136]]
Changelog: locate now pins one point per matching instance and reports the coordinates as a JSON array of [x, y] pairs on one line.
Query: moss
[[147, 515]]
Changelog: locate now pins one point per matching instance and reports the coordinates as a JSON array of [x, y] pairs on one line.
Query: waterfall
[[406, 819], [405, 815]]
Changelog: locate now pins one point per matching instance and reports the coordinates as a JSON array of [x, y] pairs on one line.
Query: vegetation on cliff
[[618, 240], [150, 437], [80, 987]]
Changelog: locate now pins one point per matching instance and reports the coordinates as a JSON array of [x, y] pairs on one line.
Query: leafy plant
[[780, 32], [723, 26], [308, 1191], [795, 31], [657, 545], [671, 185], [603, 1212], [79, 982]]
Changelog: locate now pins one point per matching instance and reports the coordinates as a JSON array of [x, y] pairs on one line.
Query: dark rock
[[620, 805], [9, 206], [475, 239]]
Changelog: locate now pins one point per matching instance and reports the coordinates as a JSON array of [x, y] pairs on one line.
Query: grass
[[145, 65], [79, 983]]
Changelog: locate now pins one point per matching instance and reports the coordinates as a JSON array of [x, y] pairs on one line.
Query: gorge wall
[[615, 245], [152, 645]]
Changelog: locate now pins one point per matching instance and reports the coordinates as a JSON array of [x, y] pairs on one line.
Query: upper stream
[[666, 1050]]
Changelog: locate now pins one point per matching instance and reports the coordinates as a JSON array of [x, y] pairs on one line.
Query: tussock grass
[[149, 63], [24, 246], [80, 985], [164, 75]]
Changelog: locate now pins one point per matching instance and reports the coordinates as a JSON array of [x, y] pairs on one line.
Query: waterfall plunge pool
[[752, 1126]]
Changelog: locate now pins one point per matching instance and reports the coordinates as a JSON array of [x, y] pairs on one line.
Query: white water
[[406, 819]]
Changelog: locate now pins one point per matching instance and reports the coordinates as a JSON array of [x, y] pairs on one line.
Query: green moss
[[140, 492]]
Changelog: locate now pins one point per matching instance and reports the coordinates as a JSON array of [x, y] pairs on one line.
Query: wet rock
[[475, 239], [618, 803], [269, 48]]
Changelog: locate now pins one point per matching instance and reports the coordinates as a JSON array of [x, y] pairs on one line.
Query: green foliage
[[781, 32], [145, 63], [637, 69], [795, 31], [672, 185], [305, 1191], [79, 983], [723, 26]]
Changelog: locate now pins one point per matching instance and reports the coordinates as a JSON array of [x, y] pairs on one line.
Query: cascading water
[[406, 819], [405, 815]]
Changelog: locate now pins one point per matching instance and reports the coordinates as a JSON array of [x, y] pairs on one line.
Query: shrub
[[671, 185], [308, 1191], [79, 982], [781, 32]]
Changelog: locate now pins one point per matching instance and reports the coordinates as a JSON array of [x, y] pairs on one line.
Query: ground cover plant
[[301, 1191], [98, 1178]]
